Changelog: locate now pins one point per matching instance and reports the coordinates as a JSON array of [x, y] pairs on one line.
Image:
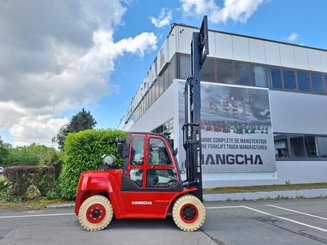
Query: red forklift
[[150, 186]]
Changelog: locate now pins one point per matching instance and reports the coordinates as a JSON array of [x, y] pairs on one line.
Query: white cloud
[[57, 56], [164, 18], [9, 114], [138, 44], [198, 7], [293, 37], [38, 129], [235, 10]]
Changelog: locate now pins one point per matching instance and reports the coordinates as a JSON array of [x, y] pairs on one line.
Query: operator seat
[[152, 178]]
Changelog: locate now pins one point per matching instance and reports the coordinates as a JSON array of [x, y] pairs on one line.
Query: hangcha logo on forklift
[[141, 202]]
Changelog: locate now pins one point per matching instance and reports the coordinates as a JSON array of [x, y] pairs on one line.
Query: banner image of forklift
[[236, 129]]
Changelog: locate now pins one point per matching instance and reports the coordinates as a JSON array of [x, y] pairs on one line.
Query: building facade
[[264, 107]]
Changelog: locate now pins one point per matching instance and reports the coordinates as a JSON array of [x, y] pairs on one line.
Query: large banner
[[236, 129]]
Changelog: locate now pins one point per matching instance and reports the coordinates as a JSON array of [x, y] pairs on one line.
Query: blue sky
[[61, 56]]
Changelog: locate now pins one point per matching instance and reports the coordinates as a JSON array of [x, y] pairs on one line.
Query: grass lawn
[[28, 205]]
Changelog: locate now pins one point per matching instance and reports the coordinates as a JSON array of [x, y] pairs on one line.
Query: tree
[[25, 155], [79, 122], [3, 152], [61, 136]]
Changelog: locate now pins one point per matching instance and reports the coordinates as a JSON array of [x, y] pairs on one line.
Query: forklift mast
[[192, 94]]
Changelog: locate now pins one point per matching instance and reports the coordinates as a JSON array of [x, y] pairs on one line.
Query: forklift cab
[[149, 164]]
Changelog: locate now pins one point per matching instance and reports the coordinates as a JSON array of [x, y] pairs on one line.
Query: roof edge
[[246, 36]]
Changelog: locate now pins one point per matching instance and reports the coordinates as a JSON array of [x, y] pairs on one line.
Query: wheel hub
[[95, 213], [189, 213]]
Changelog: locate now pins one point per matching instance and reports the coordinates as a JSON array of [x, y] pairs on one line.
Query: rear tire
[[95, 213], [189, 213]]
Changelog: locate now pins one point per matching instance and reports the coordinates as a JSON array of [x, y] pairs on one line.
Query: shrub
[[45, 178], [21, 177], [25, 155], [4, 188], [54, 193], [53, 158], [83, 151]]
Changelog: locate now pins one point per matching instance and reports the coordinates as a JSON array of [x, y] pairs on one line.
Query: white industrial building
[[264, 107]]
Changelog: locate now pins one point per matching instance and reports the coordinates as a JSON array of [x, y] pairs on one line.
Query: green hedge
[[83, 151], [21, 177], [5, 186]]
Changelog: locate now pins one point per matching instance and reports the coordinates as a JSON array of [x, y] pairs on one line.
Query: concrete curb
[[62, 205], [310, 193]]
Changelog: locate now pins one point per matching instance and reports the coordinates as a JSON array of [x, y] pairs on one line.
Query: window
[[242, 75], [172, 69], [297, 146], [160, 177], [303, 80], [166, 79], [142, 106], [156, 90], [281, 148], [321, 143], [225, 71], [167, 127], [153, 93], [317, 85], [136, 175], [138, 112], [160, 80], [145, 102], [310, 144], [137, 150], [259, 75], [289, 79], [274, 76], [150, 92], [158, 154], [147, 96], [316, 146], [291, 146], [208, 70], [184, 66]]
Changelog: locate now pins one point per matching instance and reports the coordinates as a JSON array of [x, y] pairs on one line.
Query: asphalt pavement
[[253, 222]]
